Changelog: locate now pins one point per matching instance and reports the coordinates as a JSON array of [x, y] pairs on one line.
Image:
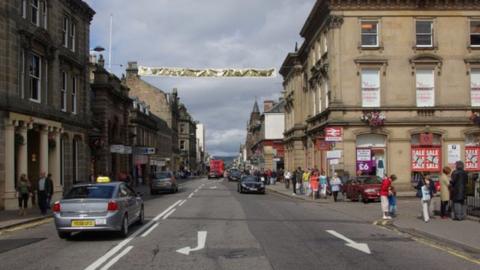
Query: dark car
[[163, 181], [250, 183], [363, 188], [234, 175]]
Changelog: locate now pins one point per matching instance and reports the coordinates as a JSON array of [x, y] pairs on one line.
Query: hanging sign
[[471, 158], [322, 145], [426, 159], [333, 134]]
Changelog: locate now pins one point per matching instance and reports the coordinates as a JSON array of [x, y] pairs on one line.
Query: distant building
[[187, 140], [200, 135]]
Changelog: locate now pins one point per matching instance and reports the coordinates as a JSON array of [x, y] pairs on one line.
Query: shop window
[[369, 33], [424, 33], [35, 77], [371, 156], [425, 87], [475, 87], [475, 33], [370, 87], [426, 152], [472, 152]]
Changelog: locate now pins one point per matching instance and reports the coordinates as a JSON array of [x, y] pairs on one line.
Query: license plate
[[83, 223]]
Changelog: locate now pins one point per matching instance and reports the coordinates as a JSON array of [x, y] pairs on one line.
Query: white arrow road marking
[[202, 238], [169, 213], [350, 243], [116, 258]]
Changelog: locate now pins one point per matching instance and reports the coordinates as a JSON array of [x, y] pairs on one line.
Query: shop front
[[426, 156], [371, 154]]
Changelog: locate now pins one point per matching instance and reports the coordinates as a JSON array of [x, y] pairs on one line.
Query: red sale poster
[[426, 159]]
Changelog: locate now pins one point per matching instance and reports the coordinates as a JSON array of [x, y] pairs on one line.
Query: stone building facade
[[392, 84], [253, 128], [187, 140], [44, 108], [164, 105]]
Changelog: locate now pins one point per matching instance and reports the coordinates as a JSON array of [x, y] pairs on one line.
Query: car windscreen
[[250, 179], [372, 180], [161, 175], [91, 192]]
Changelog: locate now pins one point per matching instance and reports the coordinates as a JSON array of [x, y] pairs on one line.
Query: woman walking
[[444, 191], [427, 191], [23, 192], [335, 183], [323, 185], [314, 183]]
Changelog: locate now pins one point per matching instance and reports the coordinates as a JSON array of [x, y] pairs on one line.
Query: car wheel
[[64, 235], [364, 200], [124, 230], [141, 217]]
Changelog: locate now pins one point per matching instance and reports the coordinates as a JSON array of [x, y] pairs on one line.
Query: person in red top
[[386, 184], [314, 183]]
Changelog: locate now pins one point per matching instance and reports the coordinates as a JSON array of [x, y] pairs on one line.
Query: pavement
[[208, 225], [460, 235]]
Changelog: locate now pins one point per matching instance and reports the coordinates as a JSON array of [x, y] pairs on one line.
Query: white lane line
[[169, 213], [115, 249], [184, 201], [116, 258], [190, 196], [150, 230]]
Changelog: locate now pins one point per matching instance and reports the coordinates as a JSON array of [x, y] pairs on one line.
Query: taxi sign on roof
[[103, 179]]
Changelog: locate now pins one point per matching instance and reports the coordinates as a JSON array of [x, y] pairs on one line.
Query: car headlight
[[370, 190], [243, 185]]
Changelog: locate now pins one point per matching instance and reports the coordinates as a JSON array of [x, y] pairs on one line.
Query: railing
[[473, 206]]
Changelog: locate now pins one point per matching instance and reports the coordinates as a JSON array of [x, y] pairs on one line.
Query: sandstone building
[[392, 84]]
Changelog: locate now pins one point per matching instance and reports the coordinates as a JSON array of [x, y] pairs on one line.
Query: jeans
[[42, 201], [443, 208], [294, 184], [335, 195], [458, 209]]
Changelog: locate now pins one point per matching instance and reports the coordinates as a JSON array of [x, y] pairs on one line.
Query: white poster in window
[[425, 88], [453, 153], [370, 88], [364, 154], [475, 87]]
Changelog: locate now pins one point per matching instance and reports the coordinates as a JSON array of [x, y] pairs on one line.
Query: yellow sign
[[103, 179], [83, 223]]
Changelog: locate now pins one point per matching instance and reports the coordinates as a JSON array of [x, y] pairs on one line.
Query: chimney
[[132, 69], [267, 105]]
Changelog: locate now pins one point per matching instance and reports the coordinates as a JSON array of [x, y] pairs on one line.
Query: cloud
[[199, 34]]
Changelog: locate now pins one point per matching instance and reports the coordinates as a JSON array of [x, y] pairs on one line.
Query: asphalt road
[[242, 231]]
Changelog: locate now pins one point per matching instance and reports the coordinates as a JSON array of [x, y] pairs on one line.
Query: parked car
[[163, 181], [234, 175], [98, 207], [250, 183], [363, 188]]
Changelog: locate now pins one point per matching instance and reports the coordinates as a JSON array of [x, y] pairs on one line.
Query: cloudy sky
[[201, 34]]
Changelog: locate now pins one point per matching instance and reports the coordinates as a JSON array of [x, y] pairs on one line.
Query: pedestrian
[[49, 186], [273, 178], [305, 182], [444, 191], [43, 190], [314, 179], [392, 201], [384, 192], [287, 177], [428, 190], [335, 183], [23, 192], [323, 185], [459, 182], [297, 179]]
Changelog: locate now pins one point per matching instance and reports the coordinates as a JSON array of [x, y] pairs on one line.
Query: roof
[[278, 107]]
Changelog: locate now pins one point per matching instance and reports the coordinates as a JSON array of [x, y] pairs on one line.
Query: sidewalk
[[461, 234]]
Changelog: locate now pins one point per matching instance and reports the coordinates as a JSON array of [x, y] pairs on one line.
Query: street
[[221, 229]]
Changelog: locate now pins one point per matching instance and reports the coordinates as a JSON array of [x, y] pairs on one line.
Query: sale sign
[[365, 166], [426, 159], [471, 158]]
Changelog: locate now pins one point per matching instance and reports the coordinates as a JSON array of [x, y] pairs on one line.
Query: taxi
[[101, 206]]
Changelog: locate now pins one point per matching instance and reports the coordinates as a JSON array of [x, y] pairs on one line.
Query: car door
[[129, 202], [137, 201]]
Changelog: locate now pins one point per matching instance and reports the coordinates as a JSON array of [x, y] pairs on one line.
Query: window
[[325, 45], [475, 86], [44, 14], [424, 30], [35, 77], [65, 31], [74, 94], [369, 34], [182, 145], [314, 103], [425, 87], [327, 95], [35, 12], [319, 95], [71, 41], [475, 33], [24, 9], [63, 92], [370, 87]]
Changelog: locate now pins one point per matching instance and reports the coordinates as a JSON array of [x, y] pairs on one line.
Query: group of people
[[313, 182], [42, 188]]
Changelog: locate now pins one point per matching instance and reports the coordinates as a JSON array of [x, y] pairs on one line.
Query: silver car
[[98, 207], [163, 181]]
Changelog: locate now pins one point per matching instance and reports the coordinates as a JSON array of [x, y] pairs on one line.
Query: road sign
[[334, 154], [333, 134]]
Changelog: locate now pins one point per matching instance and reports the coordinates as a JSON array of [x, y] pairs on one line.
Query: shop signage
[[145, 150], [140, 159], [322, 145], [333, 134], [471, 158], [158, 163], [334, 154], [365, 166], [426, 138], [120, 149], [364, 154], [426, 159], [334, 161], [453, 153]]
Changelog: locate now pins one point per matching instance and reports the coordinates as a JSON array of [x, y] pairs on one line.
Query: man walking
[[297, 178], [45, 188], [459, 181]]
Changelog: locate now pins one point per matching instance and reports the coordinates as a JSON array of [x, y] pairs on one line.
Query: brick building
[[187, 140], [163, 105], [44, 109]]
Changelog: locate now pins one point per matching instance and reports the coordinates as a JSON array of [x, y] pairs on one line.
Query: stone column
[[43, 157], [9, 196], [54, 166], [22, 165]]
